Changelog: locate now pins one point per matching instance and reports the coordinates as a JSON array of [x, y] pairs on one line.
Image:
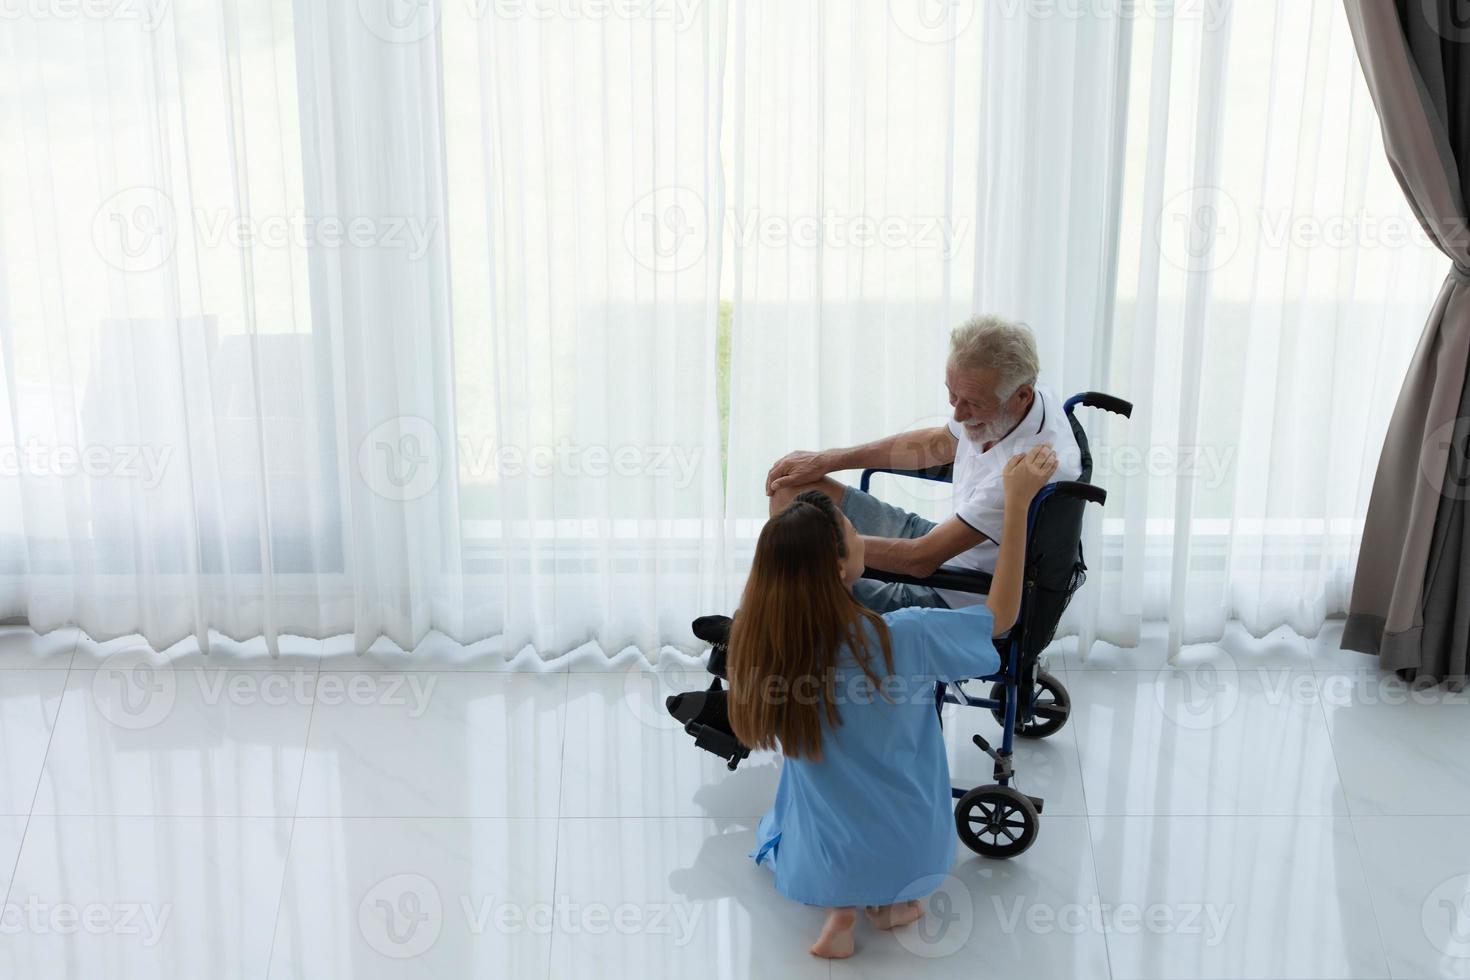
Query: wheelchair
[[995, 820]]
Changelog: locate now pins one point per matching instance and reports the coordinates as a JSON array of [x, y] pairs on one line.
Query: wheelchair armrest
[[947, 577], [943, 473]]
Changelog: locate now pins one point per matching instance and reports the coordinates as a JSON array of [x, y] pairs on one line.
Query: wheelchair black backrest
[[1054, 562]]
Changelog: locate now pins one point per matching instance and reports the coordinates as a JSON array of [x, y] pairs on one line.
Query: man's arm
[[921, 557], [914, 450]]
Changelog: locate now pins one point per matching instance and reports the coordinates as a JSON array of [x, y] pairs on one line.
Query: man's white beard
[[993, 431]]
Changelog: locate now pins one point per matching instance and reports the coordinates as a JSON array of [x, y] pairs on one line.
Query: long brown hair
[[795, 618]]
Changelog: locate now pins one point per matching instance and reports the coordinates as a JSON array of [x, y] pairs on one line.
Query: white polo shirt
[[979, 489]]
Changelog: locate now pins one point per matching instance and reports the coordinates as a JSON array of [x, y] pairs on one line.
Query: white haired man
[[999, 412]]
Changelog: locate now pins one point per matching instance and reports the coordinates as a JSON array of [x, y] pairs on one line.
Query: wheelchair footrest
[[725, 746], [1003, 768], [706, 717], [715, 630]]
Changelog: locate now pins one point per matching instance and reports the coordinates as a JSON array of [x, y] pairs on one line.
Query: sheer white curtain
[[583, 163], [1264, 246], [386, 317], [223, 299], [1190, 205], [951, 164], [363, 317], [890, 174]]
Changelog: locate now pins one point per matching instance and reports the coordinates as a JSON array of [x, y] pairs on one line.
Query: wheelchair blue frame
[[1015, 705]]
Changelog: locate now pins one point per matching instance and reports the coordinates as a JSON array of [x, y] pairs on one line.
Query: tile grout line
[[1347, 805], [1087, 818], [40, 776], [561, 775], [270, 954]]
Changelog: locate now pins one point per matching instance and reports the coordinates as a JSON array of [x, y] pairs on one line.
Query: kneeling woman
[[863, 814]]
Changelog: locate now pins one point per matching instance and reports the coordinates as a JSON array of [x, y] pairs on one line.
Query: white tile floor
[[1268, 808]]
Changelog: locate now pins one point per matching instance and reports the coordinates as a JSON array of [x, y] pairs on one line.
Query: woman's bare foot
[[835, 942], [893, 916]]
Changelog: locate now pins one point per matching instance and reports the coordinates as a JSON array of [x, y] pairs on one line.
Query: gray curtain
[[1411, 597]]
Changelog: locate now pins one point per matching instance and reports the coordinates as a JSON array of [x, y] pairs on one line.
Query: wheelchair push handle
[[1082, 491], [1098, 399]]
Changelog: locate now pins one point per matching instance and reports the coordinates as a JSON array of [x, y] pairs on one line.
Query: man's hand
[[796, 470], [1028, 472]]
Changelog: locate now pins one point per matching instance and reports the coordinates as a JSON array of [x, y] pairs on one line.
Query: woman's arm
[[1024, 475]]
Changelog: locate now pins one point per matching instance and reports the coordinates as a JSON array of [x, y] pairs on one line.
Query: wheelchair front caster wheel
[[1051, 706], [996, 821]]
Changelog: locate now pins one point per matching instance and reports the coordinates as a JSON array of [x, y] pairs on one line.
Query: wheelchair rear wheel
[[996, 821], [1052, 704]]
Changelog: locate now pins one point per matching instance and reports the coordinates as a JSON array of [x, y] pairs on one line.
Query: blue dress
[[870, 822]]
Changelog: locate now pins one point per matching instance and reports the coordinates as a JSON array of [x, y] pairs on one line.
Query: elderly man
[[999, 411]]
